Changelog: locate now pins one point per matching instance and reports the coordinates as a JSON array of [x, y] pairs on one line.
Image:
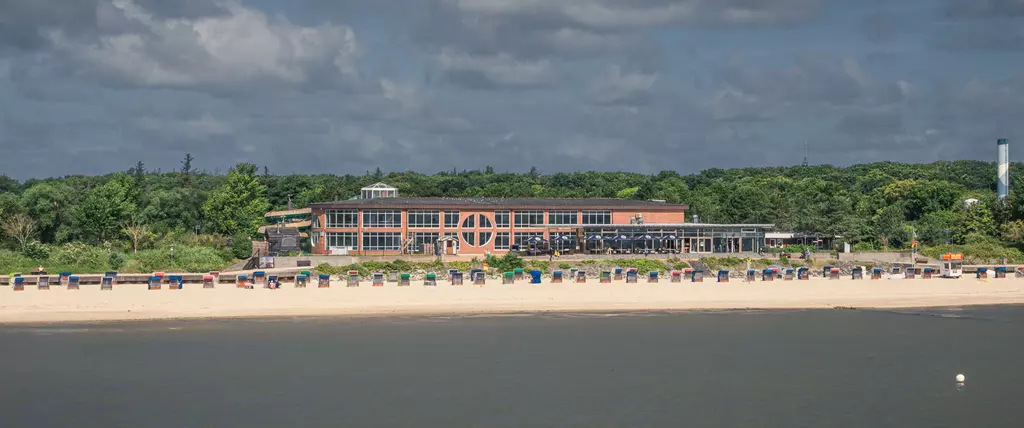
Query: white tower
[[1003, 180]]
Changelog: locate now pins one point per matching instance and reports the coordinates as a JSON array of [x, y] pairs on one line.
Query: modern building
[[396, 225]]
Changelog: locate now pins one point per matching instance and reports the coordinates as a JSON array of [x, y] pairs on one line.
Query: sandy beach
[[135, 302]]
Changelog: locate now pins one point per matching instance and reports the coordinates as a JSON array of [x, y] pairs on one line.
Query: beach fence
[[456, 278], [430, 280], [697, 276], [788, 275], [652, 276], [324, 280], [857, 273], [378, 279], [1000, 271], [723, 275], [833, 273], [353, 279], [62, 280], [751, 275], [73, 282], [618, 274], [518, 274], [876, 273], [927, 273], [768, 275], [107, 283], [154, 282], [581, 277], [208, 281], [535, 277], [632, 276], [404, 280], [676, 276], [803, 274], [556, 277], [982, 273], [606, 277], [43, 283], [19, 284], [508, 278]]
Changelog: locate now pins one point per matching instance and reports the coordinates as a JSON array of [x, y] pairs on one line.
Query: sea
[[801, 368]]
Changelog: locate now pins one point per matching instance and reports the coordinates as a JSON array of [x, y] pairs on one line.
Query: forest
[[132, 219]]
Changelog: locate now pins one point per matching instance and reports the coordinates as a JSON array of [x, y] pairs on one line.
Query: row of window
[[393, 240], [431, 219]]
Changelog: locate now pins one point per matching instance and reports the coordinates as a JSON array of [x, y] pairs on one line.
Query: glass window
[[470, 238], [485, 238], [378, 241], [485, 223], [342, 218], [425, 218], [597, 217], [501, 241], [341, 240], [454, 235], [316, 222], [562, 217], [563, 241], [314, 238], [529, 218], [451, 219], [382, 218], [501, 218], [521, 237], [420, 239], [469, 222]]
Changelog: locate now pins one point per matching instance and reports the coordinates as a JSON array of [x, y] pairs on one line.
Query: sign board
[[266, 262]]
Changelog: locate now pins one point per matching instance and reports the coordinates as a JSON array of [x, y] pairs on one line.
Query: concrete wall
[[881, 257]]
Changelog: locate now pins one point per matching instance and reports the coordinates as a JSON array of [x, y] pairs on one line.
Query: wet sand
[[135, 302]]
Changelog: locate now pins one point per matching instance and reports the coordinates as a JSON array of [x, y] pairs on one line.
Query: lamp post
[[172, 255]]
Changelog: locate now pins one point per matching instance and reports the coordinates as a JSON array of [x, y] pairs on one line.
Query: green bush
[[644, 265], [36, 251], [115, 260], [506, 263], [564, 266], [241, 247], [543, 266]]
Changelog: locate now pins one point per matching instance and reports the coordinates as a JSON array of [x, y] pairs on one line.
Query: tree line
[[873, 206]]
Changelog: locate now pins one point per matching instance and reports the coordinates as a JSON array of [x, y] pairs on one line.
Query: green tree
[[238, 206], [100, 215], [976, 219], [888, 226], [51, 204]]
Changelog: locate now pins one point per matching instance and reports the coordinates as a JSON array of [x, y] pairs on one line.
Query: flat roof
[[502, 203]]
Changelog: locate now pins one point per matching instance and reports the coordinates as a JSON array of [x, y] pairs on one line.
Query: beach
[[135, 302]]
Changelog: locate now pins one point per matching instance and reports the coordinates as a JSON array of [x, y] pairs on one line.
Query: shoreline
[[135, 303]]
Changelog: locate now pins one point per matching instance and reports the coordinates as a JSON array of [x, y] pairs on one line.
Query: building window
[[316, 222], [451, 219], [501, 241], [420, 239], [454, 235], [382, 241], [501, 219], [563, 241], [529, 218], [485, 223], [469, 222], [342, 218], [341, 240], [470, 238], [485, 238], [597, 217], [382, 218], [563, 217], [425, 219], [520, 238], [314, 238]]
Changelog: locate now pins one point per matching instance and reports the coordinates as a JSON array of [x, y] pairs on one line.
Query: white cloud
[[501, 69], [227, 50]]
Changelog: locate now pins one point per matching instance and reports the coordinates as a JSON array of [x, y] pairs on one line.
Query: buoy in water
[[960, 378]]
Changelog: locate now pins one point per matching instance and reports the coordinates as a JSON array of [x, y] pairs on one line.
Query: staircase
[[698, 265], [408, 246]]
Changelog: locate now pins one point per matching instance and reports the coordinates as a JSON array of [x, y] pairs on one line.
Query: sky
[[347, 86]]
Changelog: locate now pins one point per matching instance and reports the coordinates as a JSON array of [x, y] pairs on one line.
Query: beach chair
[[632, 276], [107, 283], [392, 276], [833, 273], [353, 279], [324, 281], [827, 271], [300, 280], [606, 277], [508, 278], [911, 273], [723, 276], [518, 274], [788, 275], [803, 274], [676, 276], [556, 277], [112, 275], [697, 276], [62, 280], [535, 277], [73, 282], [768, 275], [927, 273], [43, 283], [982, 273], [1000, 271], [208, 281], [154, 282], [404, 280], [378, 280], [876, 273], [456, 278], [430, 280], [19, 284], [857, 273], [479, 278], [273, 282], [241, 280], [216, 276], [259, 279], [751, 275], [652, 276], [1019, 272], [176, 282], [618, 274], [581, 277], [572, 274]]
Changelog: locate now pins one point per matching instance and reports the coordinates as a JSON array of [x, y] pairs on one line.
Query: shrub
[[36, 251], [564, 266], [506, 263], [540, 265], [115, 260], [241, 246]]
